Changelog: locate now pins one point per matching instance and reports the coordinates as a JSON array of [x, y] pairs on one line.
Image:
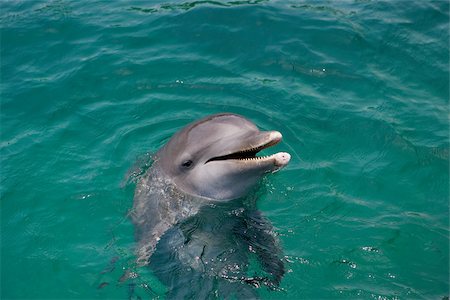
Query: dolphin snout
[[281, 159], [275, 136]]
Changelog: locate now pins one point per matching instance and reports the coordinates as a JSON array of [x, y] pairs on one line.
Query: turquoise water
[[359, 89]]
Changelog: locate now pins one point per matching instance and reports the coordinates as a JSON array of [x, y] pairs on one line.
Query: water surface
[[359, 89]]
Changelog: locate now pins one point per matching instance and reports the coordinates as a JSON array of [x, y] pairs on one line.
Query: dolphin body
[[194, 224]]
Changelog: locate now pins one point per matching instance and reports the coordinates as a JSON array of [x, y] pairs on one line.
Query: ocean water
[[359, 89]]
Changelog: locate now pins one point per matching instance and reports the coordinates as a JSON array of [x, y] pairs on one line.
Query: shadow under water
[[215, 253]]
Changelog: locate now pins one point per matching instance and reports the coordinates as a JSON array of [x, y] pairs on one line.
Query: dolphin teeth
[[246, 154]]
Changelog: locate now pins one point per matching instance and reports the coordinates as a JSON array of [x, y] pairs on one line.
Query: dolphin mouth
[[249, 154]]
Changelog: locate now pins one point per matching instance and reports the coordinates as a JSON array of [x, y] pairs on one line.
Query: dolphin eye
[[187, 163]]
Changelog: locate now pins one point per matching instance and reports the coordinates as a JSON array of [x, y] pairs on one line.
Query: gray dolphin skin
[[209, 162]]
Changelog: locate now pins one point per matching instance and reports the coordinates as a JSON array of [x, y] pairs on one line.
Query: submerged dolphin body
[[195, 176]]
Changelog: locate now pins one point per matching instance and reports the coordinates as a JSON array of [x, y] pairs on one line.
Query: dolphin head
[[215, 157]]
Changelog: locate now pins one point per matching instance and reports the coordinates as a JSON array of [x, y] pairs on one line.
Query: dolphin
[[208, 163]]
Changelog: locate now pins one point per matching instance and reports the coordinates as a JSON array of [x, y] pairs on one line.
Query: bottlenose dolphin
[[201, 170]]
